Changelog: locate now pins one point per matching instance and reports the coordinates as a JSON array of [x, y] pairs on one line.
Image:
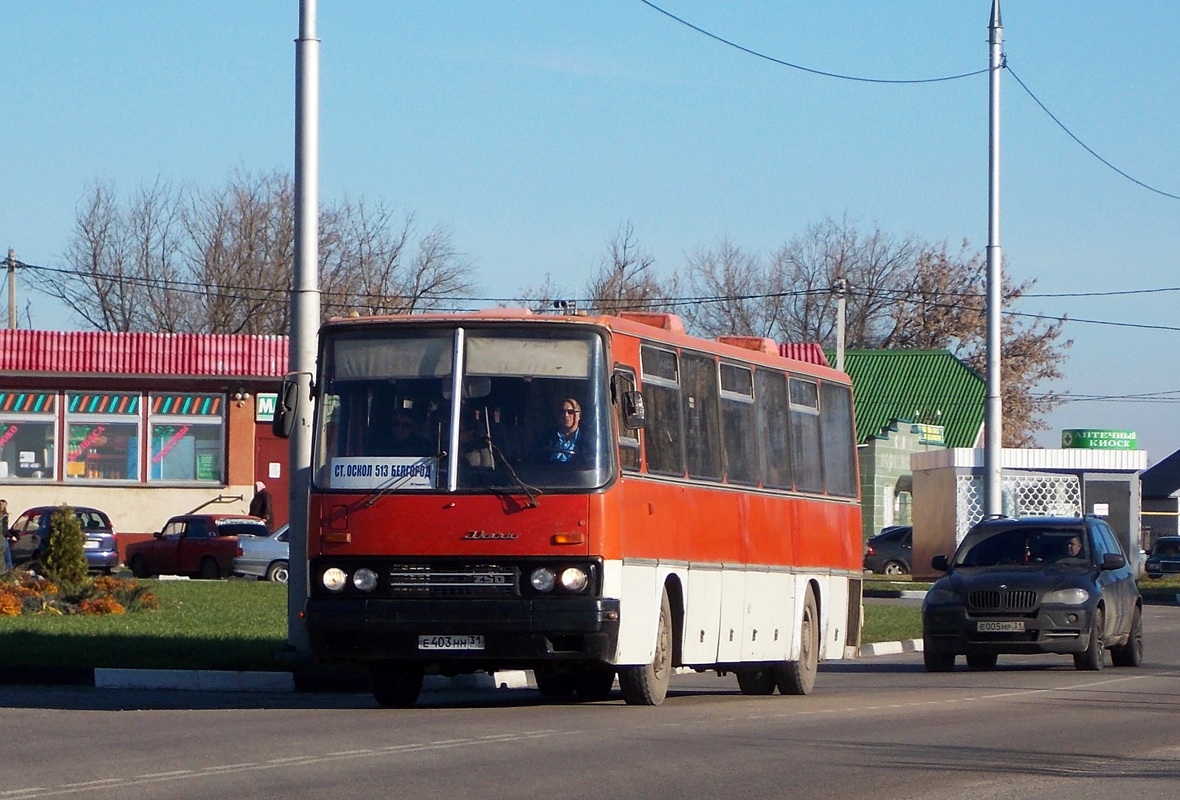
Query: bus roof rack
[[661, 320], [759, 344]]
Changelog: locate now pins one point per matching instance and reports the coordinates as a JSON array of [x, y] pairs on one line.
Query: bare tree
[[242, 247], [734, 293], [625, 279], [98, 285], [375, 268], [220, 260], [871, 265], [903, 293], [156, 237]]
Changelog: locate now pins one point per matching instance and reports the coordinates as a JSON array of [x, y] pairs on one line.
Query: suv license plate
[[450, 643], [1005, 626]]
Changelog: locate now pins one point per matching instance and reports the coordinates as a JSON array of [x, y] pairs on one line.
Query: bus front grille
[[451, 580]]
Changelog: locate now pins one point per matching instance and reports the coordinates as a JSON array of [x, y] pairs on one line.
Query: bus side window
[[806, 442], [702, 436], [624, 382], [663, 436], [740, 445], [771, 404]]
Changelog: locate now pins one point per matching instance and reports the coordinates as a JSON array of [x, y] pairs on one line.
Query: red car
[[198, 545]]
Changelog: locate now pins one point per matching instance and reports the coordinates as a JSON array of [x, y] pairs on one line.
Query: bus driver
[[564, 445]]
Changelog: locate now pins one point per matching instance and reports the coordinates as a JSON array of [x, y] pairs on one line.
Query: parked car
[[890, 552], [263, 558], [1034, 585], [1164, 558], [31, 530], [198, 545]]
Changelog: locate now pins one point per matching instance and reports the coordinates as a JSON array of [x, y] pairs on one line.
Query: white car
[[263, 557]]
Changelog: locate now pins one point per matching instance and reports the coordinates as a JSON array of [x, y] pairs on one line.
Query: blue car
[[30, 533]]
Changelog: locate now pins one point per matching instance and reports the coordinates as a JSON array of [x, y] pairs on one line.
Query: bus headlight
[[334, 579], [573, 579], [365, 580], [543, 579]]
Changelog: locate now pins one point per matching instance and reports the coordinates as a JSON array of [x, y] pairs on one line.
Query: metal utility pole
[[11, 288], [994, 414], [840, 289], [305, 307]]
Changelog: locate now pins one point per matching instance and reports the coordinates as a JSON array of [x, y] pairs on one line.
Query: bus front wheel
[[647, 684]]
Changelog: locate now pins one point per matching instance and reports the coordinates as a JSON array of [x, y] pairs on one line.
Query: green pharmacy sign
[[1085, 439]]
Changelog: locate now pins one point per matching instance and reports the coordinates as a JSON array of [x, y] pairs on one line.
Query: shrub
[[65, 554], [24, 592]]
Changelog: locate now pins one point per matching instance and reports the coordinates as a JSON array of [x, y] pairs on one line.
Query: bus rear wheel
[[647, 684], [798, 677], [396, 684]]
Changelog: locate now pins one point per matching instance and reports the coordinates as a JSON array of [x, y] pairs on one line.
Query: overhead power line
[[863, 79], [800, 67], [456, 302], [1083, 145]]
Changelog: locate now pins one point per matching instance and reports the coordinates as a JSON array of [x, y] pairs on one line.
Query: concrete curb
[[894, 594], [890, 648]]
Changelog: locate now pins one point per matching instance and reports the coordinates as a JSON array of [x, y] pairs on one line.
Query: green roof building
[[907, 401]]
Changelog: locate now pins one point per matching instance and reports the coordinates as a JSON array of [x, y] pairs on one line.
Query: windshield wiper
[[531, 492]]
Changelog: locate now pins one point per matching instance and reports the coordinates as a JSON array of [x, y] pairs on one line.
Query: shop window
[[186, 435], [102, 437], [28, 436]]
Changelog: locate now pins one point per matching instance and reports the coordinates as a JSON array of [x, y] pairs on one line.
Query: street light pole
[[994, 415], [305, 308]]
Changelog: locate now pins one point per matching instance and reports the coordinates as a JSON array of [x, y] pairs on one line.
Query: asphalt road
[[879, 727]]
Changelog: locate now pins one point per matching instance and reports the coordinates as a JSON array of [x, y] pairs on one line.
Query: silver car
[[263, 557]]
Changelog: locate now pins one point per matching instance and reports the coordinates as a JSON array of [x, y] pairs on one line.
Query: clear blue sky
[[533, 129]]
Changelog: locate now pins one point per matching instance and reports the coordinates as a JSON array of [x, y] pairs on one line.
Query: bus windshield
[[532, 414]]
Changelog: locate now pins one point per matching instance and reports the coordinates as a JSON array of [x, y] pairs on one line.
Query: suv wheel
[[1091, 658], [936, 661], [1130, 654]]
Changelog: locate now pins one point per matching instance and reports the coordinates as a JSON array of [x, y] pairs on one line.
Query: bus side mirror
[[286, 408], [634, 414]]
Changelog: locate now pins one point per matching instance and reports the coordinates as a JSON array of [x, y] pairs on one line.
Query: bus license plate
[[450, 643], [1001, 626]]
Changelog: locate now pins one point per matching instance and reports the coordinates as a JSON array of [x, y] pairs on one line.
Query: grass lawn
[[238, 625], [242, 625]]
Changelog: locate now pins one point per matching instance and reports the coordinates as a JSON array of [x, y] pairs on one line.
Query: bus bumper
[[515, 631]]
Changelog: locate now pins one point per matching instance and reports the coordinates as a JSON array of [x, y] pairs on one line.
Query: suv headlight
[[1067, 597], [943, 597]]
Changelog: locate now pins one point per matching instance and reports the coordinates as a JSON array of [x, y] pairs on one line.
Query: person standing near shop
[[262, 506], [4, 534]]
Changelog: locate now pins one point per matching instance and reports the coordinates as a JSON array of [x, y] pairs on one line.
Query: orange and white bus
[[703, 512]]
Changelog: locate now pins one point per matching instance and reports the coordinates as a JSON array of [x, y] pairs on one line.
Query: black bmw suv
[[1034, 585]]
